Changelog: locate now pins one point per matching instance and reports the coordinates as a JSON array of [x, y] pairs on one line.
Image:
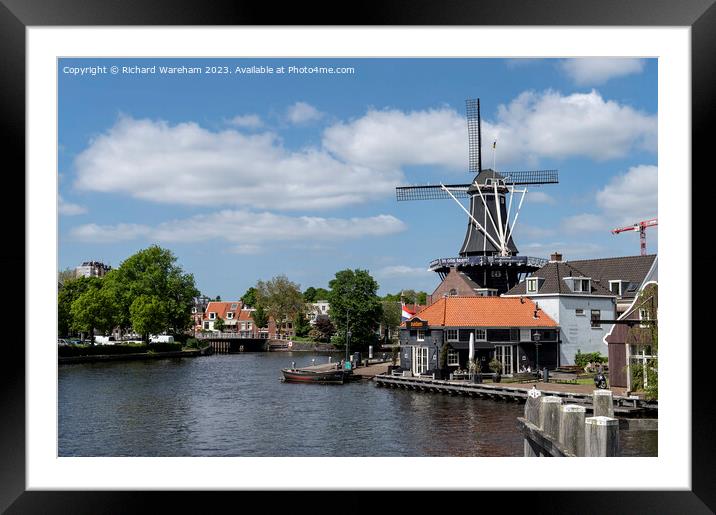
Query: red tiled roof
[[221, 308], [484, 312]]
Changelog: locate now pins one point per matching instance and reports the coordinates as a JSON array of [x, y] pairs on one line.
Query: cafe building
[[515, 331]]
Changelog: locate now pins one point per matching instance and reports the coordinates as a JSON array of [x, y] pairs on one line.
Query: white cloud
[[596, 70], [631, 197], [187, 164], [551, 125], [246, 229], [390, 139], [402, 271], [301, 112], [249, 121], [538, 197], [532, 126], [69, 209]]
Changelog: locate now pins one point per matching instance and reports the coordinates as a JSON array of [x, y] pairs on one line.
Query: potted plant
[[474, 367], [496, 367]]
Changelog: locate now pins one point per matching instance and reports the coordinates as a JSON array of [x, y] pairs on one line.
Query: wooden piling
[[571, 428], [603, 403], [549, 415], [601, 436]]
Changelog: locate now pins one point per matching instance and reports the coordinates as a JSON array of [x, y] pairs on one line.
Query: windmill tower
[[488, 255]]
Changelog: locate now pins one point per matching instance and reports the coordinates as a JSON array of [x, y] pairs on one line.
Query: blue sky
[[247, 176]]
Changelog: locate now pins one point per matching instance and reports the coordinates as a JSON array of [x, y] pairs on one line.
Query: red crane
[[641, 227]]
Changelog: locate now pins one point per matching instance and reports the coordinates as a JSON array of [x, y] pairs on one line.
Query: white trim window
[[532, 285], [480, 335], [420, 335], [582, 285], [644, 315], [451, 335], [229, 315], [212, 316], [453, 358], [579, 312]]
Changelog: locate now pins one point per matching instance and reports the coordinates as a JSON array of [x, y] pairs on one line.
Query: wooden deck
[[515, 393]]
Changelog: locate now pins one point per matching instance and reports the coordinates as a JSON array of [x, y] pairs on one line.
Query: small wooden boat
[[297, 375]]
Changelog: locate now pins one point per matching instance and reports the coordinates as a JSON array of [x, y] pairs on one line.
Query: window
[[451, 335], [480, 335], [532, 285], [234, 306], [421, 335], [453, 358], [644, 315], [453, 292], [212, 316], [615, 287], [248, 326], [229, 315], [496, 273], [206, 325], [596, 315], [581, 285], [193, 310], [579, 312]]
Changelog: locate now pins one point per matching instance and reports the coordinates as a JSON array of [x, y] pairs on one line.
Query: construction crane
[[641, 227]]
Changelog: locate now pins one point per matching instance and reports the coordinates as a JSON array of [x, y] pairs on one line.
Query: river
[[236, 405]]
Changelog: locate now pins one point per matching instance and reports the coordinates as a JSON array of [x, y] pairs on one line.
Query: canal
[[236, 405]]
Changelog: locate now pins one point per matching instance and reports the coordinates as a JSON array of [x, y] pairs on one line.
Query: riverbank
[[138, 356]]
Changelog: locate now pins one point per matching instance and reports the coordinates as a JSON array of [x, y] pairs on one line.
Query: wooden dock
[[626, 406]]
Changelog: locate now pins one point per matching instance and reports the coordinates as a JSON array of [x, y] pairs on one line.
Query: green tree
[[355, 306], [301, 326], [390, 318], [148, 315], [281, 299], [315, 294], [260, 317], [249, 298], [93, 310], [219, 324], [66, 275], [66, 296], [153, 272], [646, 336]]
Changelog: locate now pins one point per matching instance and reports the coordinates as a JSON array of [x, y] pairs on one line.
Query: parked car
[[104, 340], [62, 342], [161, 338]]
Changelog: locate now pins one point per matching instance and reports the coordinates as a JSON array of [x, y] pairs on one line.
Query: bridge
[[242, 341]]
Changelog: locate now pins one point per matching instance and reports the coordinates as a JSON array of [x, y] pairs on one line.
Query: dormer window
[[618, 287], [229, 315], [234, 306], [581, 285], [212, 315], [532, 285]]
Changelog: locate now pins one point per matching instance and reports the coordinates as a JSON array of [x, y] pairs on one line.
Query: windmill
[[488, 254]]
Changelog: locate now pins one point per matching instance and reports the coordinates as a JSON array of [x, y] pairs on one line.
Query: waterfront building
[[229, 312], [92, 269], [630, 344], [513, 330], [318, 309], [575, 293]]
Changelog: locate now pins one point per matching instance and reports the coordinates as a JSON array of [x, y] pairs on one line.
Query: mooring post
[[532, 409], [549, 415], [571, 428], [601, 436], [603, 403]]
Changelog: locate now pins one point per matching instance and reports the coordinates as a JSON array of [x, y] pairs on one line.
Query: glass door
[[420, 360], [503, 353]]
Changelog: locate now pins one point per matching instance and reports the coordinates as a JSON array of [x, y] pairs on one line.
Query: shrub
[[192, 343], [125, 348], [589, 357]]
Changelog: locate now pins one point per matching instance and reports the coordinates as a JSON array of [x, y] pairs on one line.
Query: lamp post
[[537, 336]]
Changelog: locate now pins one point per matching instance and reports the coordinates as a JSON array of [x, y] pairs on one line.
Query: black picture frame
[[17, 15]]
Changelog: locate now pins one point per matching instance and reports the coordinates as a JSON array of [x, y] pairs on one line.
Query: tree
[[219, 324], [301, 326], [66, 275], [322, 330], [66, 296], [355, 306], [315, 294], [148, 315], [260, 317], [153, 272], [281, 299], [93, 310], [408, 296], [249, 298], [390, 318], [646, 337]]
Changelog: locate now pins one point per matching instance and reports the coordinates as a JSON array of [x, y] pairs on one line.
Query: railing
[[488, 260], [241, 335]]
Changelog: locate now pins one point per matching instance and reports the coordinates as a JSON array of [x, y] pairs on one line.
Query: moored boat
[[294, 375]]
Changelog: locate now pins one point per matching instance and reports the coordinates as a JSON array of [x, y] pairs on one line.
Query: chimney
[[522, 300], [556, 257]]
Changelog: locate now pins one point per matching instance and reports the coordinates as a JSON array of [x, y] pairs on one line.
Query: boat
[[298, 375]]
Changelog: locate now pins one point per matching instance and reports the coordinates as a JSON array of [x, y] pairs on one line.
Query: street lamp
[[537, 336]]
